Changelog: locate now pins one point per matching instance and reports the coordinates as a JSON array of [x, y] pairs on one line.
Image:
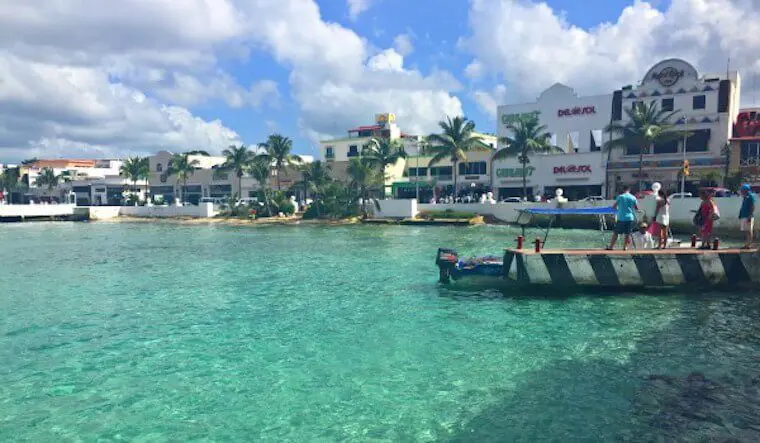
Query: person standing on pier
[[662, 218], [626, 207], [708, 213], [747, 214]]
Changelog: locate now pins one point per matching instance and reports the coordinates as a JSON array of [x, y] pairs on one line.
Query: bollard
[[716, 244], [693, 240], [520, 240], [538, 244]]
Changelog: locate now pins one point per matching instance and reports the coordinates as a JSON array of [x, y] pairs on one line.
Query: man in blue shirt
[[747, 214], [626, 207]]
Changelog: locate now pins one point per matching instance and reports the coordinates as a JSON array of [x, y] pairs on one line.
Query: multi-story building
[[705, 106], [339, 152], [576, 125], [745, 146]]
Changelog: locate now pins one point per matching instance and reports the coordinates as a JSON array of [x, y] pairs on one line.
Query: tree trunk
[[524, 178], [240, 184], [641, 168], [456, 172], [278, 178]]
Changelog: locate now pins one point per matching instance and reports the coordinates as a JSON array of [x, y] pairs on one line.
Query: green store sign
[[511, 118], [514, 172]]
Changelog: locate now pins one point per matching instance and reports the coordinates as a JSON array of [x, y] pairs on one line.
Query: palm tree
[[238, 159], [528, 137], [646, 126], [135, 169], [183, 168], [315, 177], [456, 140], [726, 153], [10, 182], [258, 168], [47, 178], [364, 178], [277, 153], [381, 153]]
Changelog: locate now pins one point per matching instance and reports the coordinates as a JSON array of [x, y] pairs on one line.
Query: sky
[[96, 79]]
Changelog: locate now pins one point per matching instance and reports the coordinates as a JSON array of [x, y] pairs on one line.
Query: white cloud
[[403, 44], [356, 7], [530, 46], [337, 80], [121, 77], [488, 101]]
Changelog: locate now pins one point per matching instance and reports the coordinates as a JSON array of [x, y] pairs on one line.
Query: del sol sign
[[507, 119], [514, 172], [578, 110], [572, 169]]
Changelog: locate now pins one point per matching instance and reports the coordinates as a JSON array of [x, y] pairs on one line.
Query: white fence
[[36, 210], [204, 210]]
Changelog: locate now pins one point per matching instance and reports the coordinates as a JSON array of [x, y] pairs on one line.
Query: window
[[698, 102], [669, 147], [159, 167], [596, 140], [698, 141], [573, 141], [667, 104], [473, 168], [750, 153], [636, 103], [353, 151], [417, 172], [329, 154], [441, 171]]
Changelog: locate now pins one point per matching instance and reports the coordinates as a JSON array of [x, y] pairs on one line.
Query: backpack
[[698, 220]]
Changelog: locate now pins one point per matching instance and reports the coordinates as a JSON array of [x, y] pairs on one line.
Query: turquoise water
[[138, 332]]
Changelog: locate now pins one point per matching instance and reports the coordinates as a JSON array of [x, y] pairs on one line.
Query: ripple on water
[[161, 332]]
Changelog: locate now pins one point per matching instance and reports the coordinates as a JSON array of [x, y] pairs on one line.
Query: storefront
[[576, 124], [579, 176]]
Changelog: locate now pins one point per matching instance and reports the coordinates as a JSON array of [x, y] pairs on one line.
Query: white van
[[216, 201]]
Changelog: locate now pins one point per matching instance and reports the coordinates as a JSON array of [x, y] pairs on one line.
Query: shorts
[[748, 224], [624, 227]]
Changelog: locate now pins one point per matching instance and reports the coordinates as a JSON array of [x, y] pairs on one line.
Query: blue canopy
[[569, 211]]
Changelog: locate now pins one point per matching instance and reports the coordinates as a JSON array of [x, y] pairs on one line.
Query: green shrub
[[447, 214]]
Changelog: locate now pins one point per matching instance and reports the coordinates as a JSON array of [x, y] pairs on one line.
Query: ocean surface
[[161, 332]]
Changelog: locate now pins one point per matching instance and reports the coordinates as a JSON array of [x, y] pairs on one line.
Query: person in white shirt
[[642, 239]]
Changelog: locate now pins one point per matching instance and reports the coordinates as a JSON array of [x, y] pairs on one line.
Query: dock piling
[[520, 240]]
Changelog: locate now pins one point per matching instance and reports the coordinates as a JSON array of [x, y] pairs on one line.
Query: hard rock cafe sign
[[668, 76]]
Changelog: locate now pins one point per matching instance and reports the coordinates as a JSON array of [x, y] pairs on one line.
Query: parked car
[[593, 198], [218, 201], [718, 192], [247, 201], [681, 195], [512, 200]]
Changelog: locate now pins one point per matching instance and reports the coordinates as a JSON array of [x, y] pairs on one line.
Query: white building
[[706, 107], [577, 128]]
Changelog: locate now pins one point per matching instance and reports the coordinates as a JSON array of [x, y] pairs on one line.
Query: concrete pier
[[37, 212], [632, 268]]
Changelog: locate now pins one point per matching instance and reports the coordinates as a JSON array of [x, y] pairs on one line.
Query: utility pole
[[683, 165]]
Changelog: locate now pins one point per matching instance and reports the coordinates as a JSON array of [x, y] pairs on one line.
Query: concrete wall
[[36, 210], [396, 209], [204, 210], [681, 215]]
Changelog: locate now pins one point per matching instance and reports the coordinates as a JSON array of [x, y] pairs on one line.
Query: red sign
[[573, 169], [569, 112]]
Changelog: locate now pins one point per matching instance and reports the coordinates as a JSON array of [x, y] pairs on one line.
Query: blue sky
[[133, 77]]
